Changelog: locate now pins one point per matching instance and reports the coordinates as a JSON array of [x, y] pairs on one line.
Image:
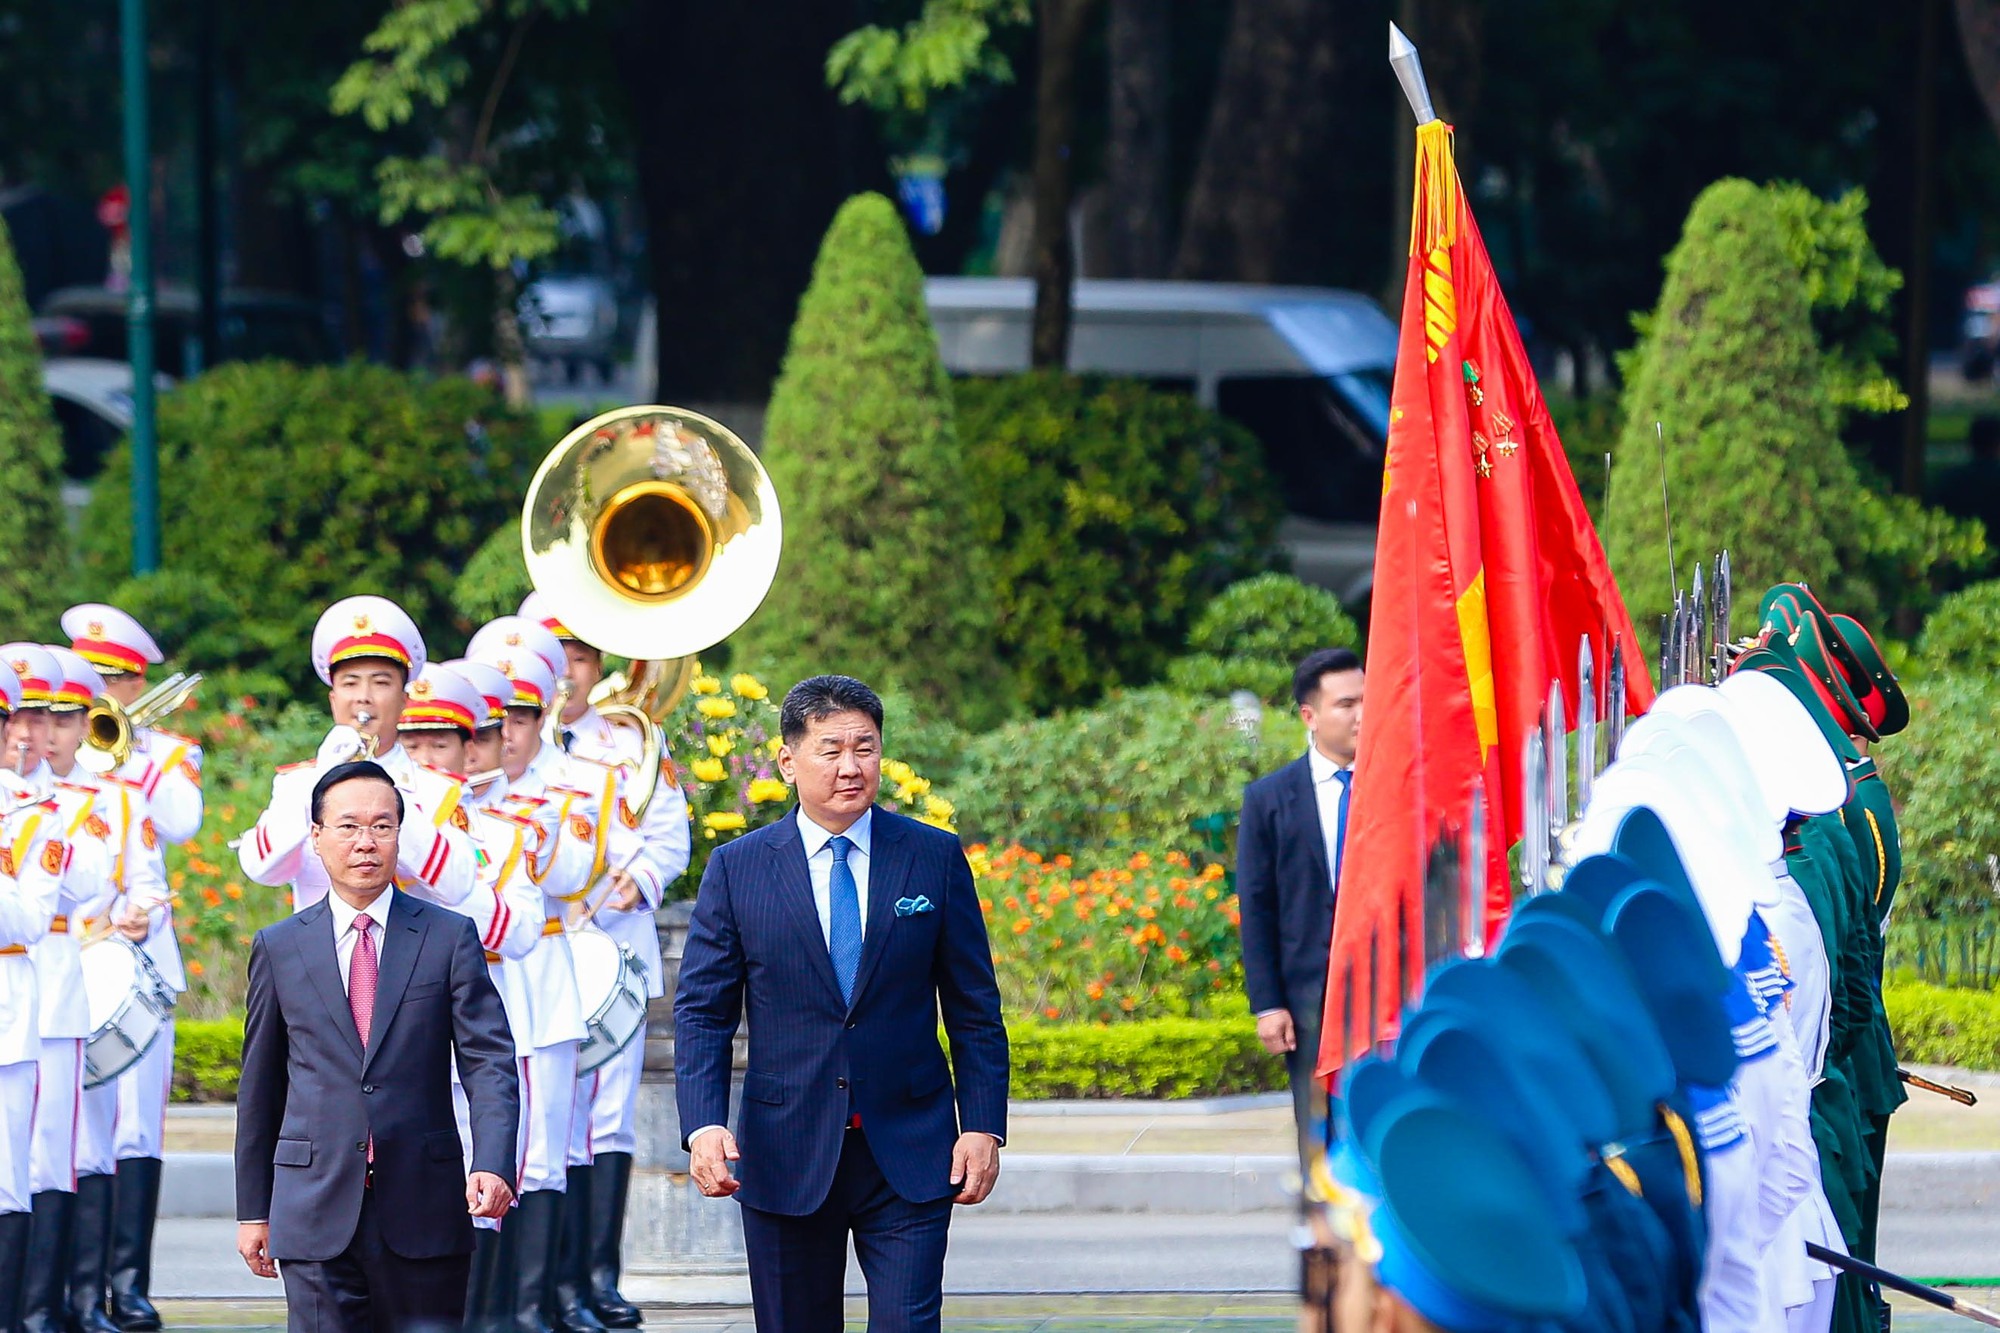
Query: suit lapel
[[313, 938], [888, 871], [402, 941], [794, 881], [1306, 803]]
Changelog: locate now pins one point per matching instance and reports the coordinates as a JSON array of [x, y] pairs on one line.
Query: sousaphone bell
[[657, 532]]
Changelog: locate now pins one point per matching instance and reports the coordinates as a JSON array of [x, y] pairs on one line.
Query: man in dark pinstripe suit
[[846, 931]]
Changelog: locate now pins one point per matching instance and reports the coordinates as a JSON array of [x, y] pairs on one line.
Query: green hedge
[[208, 1058], [1166, 1057], [1936, 1026], [1200, 1057]]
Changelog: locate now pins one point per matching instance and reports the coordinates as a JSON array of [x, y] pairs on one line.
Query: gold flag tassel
[[1434, 207]]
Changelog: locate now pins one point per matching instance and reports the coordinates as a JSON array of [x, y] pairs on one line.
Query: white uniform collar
[[858, 833]]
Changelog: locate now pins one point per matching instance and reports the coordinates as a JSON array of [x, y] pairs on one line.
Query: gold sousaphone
[[656, 533]]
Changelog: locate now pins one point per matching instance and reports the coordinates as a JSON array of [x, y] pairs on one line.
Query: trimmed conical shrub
[[34, 543], [884, 575], [1730, 368]]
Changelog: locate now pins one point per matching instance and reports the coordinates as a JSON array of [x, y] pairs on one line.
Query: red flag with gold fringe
[[1488, 573]]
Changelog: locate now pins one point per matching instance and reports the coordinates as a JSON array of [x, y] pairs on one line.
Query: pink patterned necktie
[[362, 973]]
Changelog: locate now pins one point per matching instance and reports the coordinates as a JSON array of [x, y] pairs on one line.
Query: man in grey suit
[[349, 1179]]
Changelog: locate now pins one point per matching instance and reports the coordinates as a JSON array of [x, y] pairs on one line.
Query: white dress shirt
[[819, 864], [1331, 794], [344, 935]]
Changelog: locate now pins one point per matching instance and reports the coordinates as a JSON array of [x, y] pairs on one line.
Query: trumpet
[[111, 727], [365, 750]]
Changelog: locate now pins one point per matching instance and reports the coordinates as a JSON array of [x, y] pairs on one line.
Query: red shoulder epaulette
[[522, 798], [573, 791], [77, 786], [443, 772]]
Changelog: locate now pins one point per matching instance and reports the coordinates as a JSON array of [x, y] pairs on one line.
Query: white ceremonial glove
[[341, 744]]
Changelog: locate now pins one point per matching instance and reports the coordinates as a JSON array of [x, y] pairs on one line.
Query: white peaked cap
[[1783, 741], [366, 626], [10, 688], [1692, 722], [509, 634], [1716, 866], [495, 689], [109, 638]]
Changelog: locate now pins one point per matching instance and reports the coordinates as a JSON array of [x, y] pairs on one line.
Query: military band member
[[31, 855], [446, 711], [571, 850], [367, 651], [84, 864], [114, 813], [600, 1181], [166, 768]]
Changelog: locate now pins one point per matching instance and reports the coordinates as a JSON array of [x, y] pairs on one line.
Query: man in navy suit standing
[[1288, 863], [846, 932]]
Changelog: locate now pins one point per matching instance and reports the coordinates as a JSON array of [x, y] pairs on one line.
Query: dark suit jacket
[[310, 1096], [755, 943], [1284, 893]]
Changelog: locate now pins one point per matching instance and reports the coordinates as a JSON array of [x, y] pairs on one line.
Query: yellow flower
[[898, 772], [715, 707], [705, 685], [720, 746], [772, 746], [748, 686], [725, 821], [763, 790], [708, 770], [938, 808]]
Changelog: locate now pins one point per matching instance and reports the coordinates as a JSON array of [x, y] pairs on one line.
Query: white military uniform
[[31, 854], [612, 1089], [434, 853]]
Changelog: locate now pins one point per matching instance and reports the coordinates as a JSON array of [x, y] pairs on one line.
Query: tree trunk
[[743, 155], [1141, 47], [1060, 32], [510, 349], [1271, 124], [1979, 32]]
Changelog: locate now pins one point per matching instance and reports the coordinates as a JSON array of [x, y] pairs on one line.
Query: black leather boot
[[13, 1266], [43, 1309], [135, 1207], [533, 1232], [482, 1295], [611, 1181], [89, 1249], [573, 1312]]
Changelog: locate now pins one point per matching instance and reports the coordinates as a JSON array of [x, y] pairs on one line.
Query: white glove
[[341, 744]]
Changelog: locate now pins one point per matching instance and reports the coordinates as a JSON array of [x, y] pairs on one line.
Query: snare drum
[[612, 987], [129, 1005]]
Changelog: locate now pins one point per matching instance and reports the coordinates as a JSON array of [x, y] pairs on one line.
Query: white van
[[1306, 369]]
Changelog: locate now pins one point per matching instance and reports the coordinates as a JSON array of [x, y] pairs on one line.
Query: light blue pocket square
[[912, 906]]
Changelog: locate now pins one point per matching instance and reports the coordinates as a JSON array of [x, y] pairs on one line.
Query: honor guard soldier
[[438, 728], [367, 651], [84, 863], [31, 854], [570, 840], [166, 768], [114, 813], [603, 1177]]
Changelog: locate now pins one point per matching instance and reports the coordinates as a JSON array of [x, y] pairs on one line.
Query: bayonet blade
[[1725, 604], [1666, 648], [1614, 704], [1586, 724], [1534, 813], [1473, 924], [1557, 746], [1699, 613]]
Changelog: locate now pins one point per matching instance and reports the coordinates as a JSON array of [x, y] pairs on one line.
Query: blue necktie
[[843, 927], [1345, 777]]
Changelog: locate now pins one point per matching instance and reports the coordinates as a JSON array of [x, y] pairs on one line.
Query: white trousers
[[608, 1104], [96, 1130], [17, 1121], [462, 1109], [58, 1104], [1732, 1288], [143, 1092], [541, 1145]]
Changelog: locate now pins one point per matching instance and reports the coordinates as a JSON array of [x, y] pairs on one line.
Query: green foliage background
[[1256, 633], [883, 576], [34, 541], [1765, 332], [1946, 770], [1963, 633], [1114, 512], [292, 487]]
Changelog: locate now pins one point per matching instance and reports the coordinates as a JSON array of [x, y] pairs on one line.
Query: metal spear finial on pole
[[1409, 67]]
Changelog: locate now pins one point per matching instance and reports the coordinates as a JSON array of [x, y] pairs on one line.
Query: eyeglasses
[[353, 832]]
